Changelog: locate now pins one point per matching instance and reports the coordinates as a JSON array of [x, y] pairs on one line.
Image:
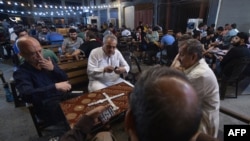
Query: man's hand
[[96, 112], [109, 69], [119, 70], [46, 64], [63, 86]]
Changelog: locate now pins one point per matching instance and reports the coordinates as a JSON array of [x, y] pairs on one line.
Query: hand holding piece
[[96, 112], [63, 86], [109, 69], [119, 70]]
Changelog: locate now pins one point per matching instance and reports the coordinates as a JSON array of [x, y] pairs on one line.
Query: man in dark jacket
[[90, 43]]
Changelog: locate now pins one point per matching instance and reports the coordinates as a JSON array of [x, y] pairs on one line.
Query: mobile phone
[[106, 115]]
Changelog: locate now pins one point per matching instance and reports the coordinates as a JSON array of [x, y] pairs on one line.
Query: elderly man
[[163, 106], [40, 81], [205, 83], [105, 65]]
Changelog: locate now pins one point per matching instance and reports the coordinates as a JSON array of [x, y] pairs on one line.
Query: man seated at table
[[90, 43], [40, 81], [204, 82], [158, 92], [17, 59], [54, 38], [238, 51], [71, 44], [105, 64]]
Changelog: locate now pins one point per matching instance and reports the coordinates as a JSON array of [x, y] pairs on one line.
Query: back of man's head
[[90, 34], [163, 106]]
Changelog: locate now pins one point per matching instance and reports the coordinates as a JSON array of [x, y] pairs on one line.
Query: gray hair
[[109, 36], [194, 46]]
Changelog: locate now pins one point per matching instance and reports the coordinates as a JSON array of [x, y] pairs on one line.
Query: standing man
[[40, 81], [105, 65], [205, 83], [71, 44]]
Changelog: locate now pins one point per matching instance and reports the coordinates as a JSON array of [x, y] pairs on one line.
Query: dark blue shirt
[[38, 87]]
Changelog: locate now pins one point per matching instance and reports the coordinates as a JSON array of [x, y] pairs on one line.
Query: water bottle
[[60, 51]]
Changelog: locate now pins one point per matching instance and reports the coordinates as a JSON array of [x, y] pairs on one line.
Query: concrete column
[[155, 20], [65, 16], [120, 12], [31, 2]]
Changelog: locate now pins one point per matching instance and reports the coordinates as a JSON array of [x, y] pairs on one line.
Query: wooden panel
[[70, 65], [144, 15], [76, 73], [78, 80]]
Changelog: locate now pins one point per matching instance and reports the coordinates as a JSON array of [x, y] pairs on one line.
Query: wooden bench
[[63, 31], [76, 71], [54, 48]]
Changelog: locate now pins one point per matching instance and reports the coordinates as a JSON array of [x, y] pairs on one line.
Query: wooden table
[[74, 108]]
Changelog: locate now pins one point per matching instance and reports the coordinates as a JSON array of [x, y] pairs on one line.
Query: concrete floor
[[16, 123]]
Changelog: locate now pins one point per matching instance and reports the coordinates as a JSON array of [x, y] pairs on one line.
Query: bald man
[[40, 81], [163, 106]]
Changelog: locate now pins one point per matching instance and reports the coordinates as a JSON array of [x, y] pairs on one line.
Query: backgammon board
[[74, 108]]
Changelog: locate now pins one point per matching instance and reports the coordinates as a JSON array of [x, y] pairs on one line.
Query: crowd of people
[[163, 100]]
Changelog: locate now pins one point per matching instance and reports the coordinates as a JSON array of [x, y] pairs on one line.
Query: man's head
[[73, 34], [163, 106], [220, 30], [44, 30], [240, 39], [22, 32], [109, 44], [190, 52], [30, 49], [89, 35]]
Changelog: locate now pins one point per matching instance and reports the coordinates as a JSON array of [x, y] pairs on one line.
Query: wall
[[129, 16], [235, 11]]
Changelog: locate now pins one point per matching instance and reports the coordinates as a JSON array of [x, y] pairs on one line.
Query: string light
[[39, 9]]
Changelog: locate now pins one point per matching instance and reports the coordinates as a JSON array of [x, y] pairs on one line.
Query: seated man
[[54, 38], [204, 82], [71, 44], [40, 81], [90, 43], [105, 65], [19, 60], [162, 101], [239, 50]]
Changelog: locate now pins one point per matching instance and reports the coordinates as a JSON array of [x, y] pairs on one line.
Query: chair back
[[237, 66]]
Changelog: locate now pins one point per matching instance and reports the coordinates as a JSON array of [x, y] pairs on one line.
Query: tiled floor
[[16, 123]]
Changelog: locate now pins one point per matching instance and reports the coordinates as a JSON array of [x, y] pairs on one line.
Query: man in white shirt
[[105, 65], [125, 31], [205, 83]]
